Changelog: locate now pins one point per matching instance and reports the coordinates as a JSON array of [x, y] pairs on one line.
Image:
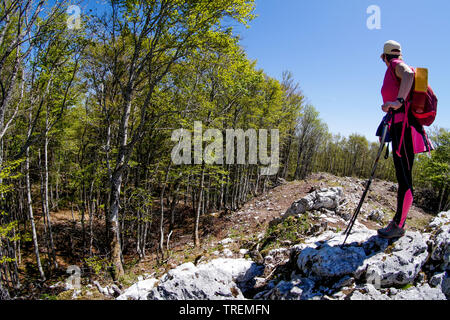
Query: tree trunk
[[288, 154], [258, 177], [31, 215], [91, 218], [197, 216], [173, 206], [161, 222], [298, 166], [113, 224], [46, 202], [441, 199], [116, 183]]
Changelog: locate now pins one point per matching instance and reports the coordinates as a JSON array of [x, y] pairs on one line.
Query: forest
[[87, 111]]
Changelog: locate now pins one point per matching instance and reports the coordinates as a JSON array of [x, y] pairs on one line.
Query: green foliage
[[351, 156], [7, 172], [435, 169], [407, 286], [293, 229], [5, 259], [46, 296], [8, 228], [433, 172], [99, 266]]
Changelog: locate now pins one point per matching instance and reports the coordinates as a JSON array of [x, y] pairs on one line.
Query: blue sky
[[335, 57]]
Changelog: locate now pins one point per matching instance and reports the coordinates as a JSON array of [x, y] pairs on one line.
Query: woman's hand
[[391, 105]]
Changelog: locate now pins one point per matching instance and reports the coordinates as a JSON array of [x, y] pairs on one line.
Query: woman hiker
[[396, 89]]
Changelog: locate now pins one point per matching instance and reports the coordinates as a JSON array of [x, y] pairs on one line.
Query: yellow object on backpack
[[420, 91], [421, 78]]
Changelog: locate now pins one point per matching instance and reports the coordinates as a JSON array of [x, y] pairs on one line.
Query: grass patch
[[237, 232], [83, 294], [334, 184], [407, 286], [128, 279], [293, 229], [46, 296], [418, 223]]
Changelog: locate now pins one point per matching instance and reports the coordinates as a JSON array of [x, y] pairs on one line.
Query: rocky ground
[[287, 245]]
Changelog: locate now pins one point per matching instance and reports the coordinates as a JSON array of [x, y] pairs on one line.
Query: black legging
[[403, 171]]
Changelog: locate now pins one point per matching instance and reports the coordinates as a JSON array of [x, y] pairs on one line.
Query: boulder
[[330, 262], [376, 215], [227, 253], [139, 290], [275, 258], [102, 290], [367, 292], [399, 264], [328, 198], [220, 279], [116, 292], [297, 289], [359, 236], [441, 281], [440, 251], [226, 241], [440, 220], [343, 282], [424, 292]]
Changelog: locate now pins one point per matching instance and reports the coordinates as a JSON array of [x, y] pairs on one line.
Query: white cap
[[392, 47]]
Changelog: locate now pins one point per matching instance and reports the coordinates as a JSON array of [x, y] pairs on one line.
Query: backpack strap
[[405, 124]]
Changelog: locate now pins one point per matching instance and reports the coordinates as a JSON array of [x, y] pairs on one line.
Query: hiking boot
[[391, 231]]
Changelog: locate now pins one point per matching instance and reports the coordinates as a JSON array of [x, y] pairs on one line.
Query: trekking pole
[[369, 182]]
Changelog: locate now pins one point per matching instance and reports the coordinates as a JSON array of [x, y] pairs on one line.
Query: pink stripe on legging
[[407, 202]]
